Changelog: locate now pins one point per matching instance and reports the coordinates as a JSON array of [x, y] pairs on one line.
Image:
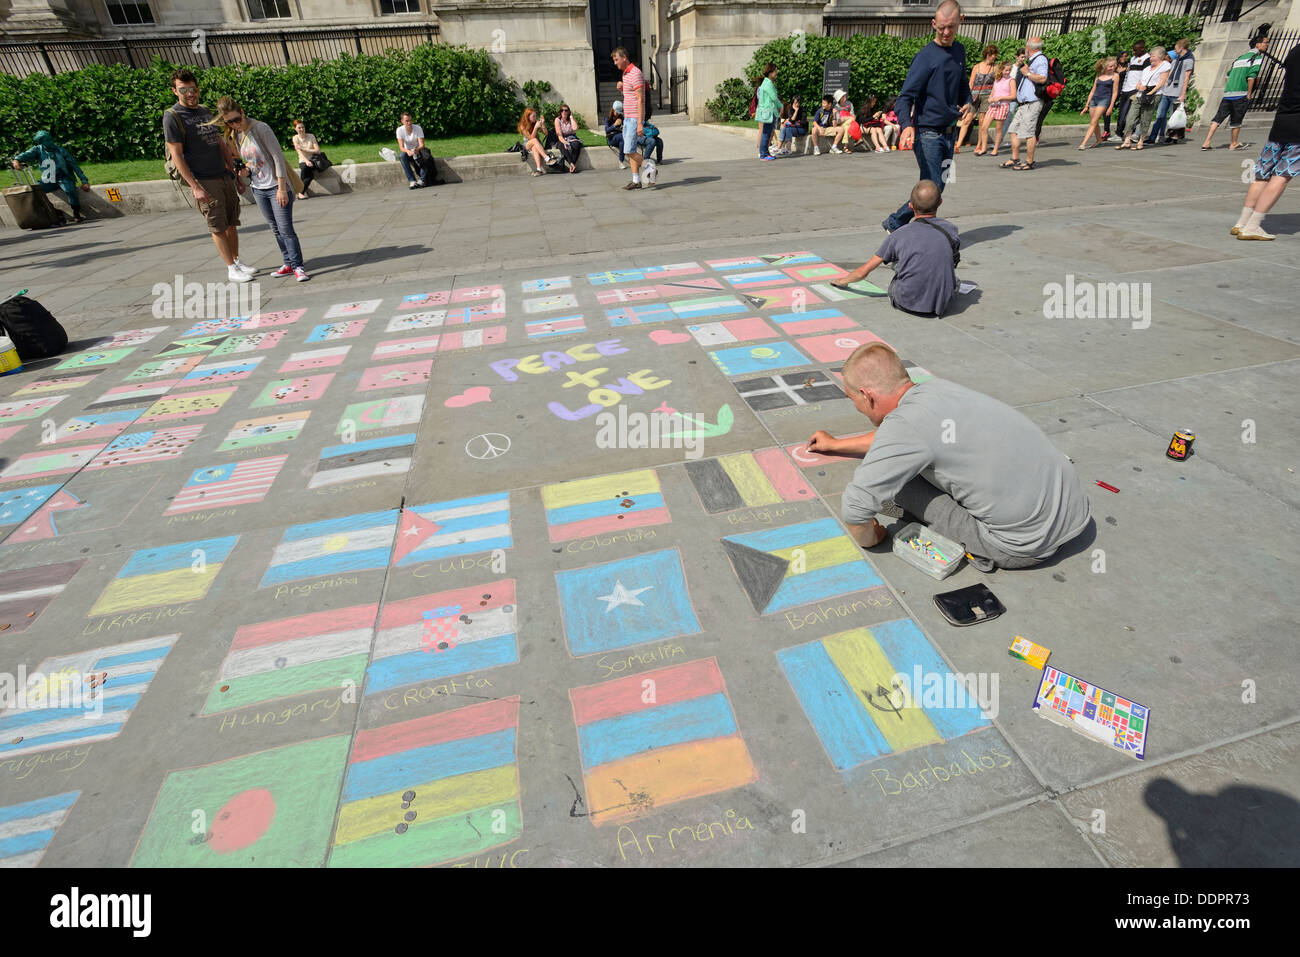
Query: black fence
[[264, 47], [1268, 89]]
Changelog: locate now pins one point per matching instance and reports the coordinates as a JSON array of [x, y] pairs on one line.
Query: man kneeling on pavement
[[967, 466]]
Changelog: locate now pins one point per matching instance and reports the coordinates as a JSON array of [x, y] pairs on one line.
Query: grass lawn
[[133, 171]]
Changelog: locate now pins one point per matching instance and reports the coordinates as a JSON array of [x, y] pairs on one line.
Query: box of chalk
[[929, 551]]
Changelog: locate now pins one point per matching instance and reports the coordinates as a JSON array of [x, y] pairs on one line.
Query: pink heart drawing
[[478, 393], [666, 337]]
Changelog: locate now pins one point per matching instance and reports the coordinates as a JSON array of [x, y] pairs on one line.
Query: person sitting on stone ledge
[[967, 466]]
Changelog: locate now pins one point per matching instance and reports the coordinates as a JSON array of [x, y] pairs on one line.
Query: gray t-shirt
[[202, 142], [924, 279], [998, 466], [1177, 81]]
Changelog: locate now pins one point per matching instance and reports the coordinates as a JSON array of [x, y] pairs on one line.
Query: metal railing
[[260, 47], [1269, 85]]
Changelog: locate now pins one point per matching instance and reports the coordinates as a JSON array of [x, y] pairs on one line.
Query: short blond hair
[[877, 367]]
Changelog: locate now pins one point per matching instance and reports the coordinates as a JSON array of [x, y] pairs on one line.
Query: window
[[129, 14], [389, 7], [268, 10]]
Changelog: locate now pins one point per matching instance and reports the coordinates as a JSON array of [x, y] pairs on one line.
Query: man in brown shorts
[[196, 150]]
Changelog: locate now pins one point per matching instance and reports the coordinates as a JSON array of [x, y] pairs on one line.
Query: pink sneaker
[[301, 274], [282, 272]]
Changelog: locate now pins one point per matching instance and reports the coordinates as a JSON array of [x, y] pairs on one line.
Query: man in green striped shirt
[[1237, 92]]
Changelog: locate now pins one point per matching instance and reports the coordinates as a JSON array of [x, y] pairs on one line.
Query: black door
[[615, 23]]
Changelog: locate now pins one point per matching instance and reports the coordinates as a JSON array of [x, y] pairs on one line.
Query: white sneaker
[[650, 175], [235, 274], [817, 151], [836, 149], [300, 274], [1257, 233], [244, 267], [412, 185], [622, 164]]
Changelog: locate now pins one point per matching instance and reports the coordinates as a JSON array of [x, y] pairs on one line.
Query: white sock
[[636, 177], [1246, 212], [1256, 222]]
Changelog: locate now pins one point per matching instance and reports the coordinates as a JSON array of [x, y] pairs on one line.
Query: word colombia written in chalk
[[102, 910]]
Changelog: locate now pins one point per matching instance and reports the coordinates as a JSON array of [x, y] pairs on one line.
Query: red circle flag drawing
[[242, 821]]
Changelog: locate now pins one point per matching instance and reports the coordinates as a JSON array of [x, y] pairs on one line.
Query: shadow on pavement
[[982, 234], [1238, 827], [688, 181]]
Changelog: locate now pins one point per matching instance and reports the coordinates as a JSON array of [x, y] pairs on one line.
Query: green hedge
[[879, 63], [104, 113]]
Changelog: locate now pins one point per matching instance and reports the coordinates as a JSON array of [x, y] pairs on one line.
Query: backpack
[[649, 130], [1055, 81], [35, 333], [753, 104]]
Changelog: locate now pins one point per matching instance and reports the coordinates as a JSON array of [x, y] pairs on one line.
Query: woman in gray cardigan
[[261, 153]]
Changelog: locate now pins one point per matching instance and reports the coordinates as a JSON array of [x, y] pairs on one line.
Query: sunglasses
[[230, 120], [186, 90]]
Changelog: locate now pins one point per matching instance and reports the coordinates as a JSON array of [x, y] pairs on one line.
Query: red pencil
[[1108, 488]]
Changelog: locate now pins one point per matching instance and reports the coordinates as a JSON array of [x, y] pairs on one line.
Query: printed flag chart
[[641, 751], [433, 789]]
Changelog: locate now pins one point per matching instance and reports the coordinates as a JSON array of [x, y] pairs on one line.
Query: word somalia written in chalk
[[75, 909], [21, 768], [931, 690], [617, 664], [678, 837], [213, 300], [891, 785], [601, 393], [1098, 300]]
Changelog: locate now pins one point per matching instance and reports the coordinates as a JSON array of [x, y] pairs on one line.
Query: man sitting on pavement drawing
[[970, 467]]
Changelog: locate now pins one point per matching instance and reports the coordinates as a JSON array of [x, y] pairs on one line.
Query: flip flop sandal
[[1009, 164], [1024, 166]]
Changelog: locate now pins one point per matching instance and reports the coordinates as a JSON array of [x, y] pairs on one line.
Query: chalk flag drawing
[[744, 262], [651, 273], [355, 543], [703, 308], [421, 299], [315, 359], [815, 271], [759, 279], [432, 789], [785, 297], [168, 575], [559, 326], [791, 389], [396, 375], [669, 290], [780, 568], [742, 360], [214, 373], [378, 414], [288, 391], [68, 514], [50, 462], [547, 285], [87, 360], [732, 330], [213, 327], [27, 592], [417, 320], [639, 315], [374, 458], [474, 293], [344, 310], [28, 408], [269, 809], [838, 346], [253, 342], [90, 427], [401, 348], [464, 526], [42, 386], [191, 347], [916, 373], [9, 431], [812, 320], [16, 505], [264, 320], [165, 368], [472, 338], [610, 503], [141, 394], [266, 430], [128, 337], [224, 486], [139, 448], [337, 330], [294, 656], [483, 635], [26, 829], [130, 669], [551, 303], [805, 459], [845, 684], [792, 259], [627, 602], [639, 756], [187, 406], [747, 480]]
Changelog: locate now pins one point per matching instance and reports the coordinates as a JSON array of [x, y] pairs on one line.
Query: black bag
[[970, 605], [321, 162], [35, 333], [426, 168]]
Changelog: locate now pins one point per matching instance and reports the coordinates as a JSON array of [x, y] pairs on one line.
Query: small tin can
[[1180, 446]]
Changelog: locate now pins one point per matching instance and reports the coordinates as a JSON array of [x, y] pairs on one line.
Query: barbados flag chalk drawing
[[269, 809], [431, 790], [846, 685], [607, 504], [354, 543], [780, 568], [641, 752], [293, 656], [165, 576], [458, 632]]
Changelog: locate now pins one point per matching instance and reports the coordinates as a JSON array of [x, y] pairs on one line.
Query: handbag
[[321, 162]]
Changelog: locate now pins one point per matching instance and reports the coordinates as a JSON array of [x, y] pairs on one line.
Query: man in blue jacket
[[935, 95], [58, 170]]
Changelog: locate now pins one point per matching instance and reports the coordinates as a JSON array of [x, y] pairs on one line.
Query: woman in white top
[[1147, 96], [269, 177], [566, 133], [307, 147]]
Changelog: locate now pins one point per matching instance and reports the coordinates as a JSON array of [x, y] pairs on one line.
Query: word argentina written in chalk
[[601, 391]]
